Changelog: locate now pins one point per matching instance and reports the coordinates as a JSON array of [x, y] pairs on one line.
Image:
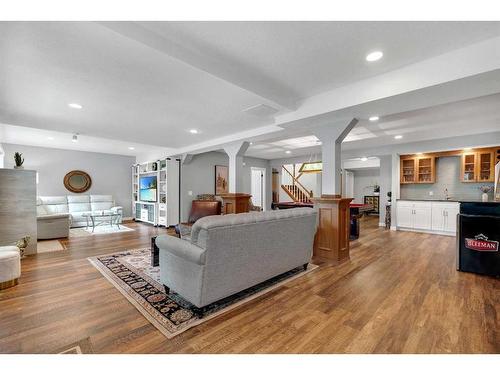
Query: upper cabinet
[[486, 166], [469, 167], [408, 168], [426, 170], [418, 170], [478, 166]]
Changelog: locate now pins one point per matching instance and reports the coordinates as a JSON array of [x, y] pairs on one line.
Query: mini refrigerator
[[478, 238]]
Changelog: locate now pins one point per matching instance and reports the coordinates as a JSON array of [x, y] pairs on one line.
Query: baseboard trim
[[449, 234]]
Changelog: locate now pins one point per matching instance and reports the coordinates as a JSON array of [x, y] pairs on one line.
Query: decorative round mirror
[[77, 181]]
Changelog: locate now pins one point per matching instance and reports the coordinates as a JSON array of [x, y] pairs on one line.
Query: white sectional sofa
[[58, 210]]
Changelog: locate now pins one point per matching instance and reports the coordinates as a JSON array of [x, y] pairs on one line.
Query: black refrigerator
[[478, 238]]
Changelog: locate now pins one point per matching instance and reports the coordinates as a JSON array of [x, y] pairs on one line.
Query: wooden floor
[[399, 293]]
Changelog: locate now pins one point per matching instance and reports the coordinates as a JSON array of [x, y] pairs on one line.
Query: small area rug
[[100, 229], [131, 273], [48, 246]]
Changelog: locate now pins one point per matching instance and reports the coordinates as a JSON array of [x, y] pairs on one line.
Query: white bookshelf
[[165, 211]]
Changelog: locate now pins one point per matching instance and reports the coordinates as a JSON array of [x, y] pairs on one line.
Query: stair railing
[[303, 194]]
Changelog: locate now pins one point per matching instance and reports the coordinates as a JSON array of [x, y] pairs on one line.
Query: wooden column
[[332, 237], [236, 203]]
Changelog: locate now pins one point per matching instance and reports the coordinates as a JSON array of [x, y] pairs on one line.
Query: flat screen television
[[147, 188]]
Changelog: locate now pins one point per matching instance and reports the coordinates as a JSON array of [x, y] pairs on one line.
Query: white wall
[[111, 174]]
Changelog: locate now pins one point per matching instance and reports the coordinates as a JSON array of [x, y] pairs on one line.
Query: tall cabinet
[[160, 204]]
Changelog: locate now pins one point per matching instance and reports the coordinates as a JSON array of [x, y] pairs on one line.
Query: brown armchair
[[199, 209]]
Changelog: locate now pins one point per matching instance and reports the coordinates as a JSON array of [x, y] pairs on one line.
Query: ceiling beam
[[235, 73]]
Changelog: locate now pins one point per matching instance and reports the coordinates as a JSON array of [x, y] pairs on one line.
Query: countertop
[[448, 200]]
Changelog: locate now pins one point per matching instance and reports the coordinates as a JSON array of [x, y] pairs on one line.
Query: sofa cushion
[[78, 199], [52, 205], [200, 228], [78, 207], [101, 202], [101, 198]]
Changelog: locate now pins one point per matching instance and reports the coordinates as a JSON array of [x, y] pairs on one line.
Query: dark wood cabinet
[[374, 201]]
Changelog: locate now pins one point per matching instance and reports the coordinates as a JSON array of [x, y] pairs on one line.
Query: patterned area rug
[[131, 273]]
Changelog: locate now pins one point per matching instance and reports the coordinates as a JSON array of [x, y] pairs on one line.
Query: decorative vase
[[18, 167], [485, 197]]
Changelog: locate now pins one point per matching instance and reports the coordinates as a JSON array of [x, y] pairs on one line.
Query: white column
[[2, 154], [331, 137], [235, 152], [385, 181], [395, 189]]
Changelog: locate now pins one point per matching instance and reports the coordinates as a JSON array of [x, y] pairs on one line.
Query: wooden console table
[[236, 203]]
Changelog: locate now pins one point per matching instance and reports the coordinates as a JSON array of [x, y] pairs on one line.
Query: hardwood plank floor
[[399, 293]]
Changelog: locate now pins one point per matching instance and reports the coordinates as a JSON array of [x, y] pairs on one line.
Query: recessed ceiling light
[[398, 136], [50, 138], [75, 138], [364, 158], [374, 118], [193, 131], [288, 152], [75, 105], [374, 56], [251, 143], [131, 148]]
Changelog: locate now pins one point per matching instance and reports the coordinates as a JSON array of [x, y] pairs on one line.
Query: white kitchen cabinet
[[405, 214], [414, 215], [428, 217], [422, 217], [444, 216]]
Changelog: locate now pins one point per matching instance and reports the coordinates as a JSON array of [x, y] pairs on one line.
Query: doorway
[[258, 187]]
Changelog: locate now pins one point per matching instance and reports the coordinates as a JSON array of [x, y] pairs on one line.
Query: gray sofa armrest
[[181, 248]]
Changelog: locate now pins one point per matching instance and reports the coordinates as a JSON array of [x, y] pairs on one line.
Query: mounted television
[[147, 188]]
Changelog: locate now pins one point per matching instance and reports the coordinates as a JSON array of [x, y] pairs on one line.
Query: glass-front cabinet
[[425, 170], [478, 166], [469, 170], [418, 170], [486, 166], [408, 167]]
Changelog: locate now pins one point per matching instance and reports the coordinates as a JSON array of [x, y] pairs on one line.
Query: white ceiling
[[148, 83], [468, 117], [302, 59]]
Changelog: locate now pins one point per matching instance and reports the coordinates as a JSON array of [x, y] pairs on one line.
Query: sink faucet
[[446, 196]]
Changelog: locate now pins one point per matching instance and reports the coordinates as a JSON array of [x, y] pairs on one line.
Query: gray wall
[[198, 176], [364, 179], [111, 174], [447, 177]]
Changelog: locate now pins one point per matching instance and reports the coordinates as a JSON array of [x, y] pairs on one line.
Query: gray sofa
[[227, 254]]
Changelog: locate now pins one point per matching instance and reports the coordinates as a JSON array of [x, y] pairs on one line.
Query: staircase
[[296, 191]]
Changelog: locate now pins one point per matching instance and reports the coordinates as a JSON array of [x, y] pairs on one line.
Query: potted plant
[[376, 189], [19, 160]]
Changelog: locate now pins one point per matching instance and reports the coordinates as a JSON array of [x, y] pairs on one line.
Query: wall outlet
[[431, 193], [190, 193]]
